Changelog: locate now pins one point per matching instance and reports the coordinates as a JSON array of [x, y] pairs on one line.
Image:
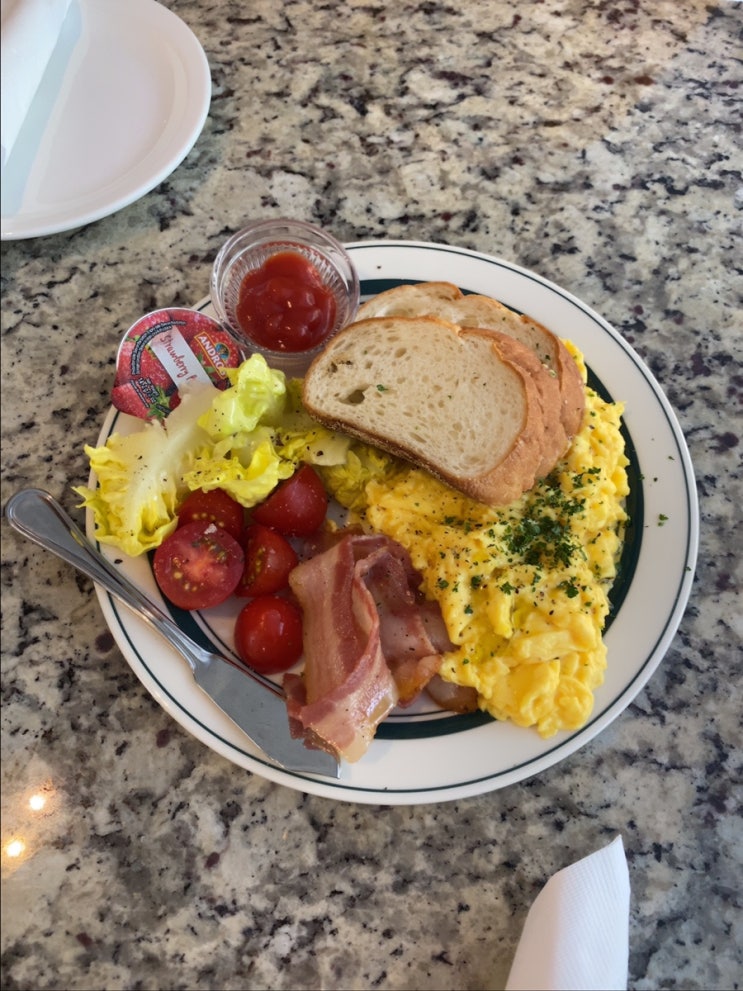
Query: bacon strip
[[370, 642], [406, 620]]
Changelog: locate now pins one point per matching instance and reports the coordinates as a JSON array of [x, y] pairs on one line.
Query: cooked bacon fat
[[370, 642]]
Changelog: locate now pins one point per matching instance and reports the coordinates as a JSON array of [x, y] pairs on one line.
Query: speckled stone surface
[[597, 143]]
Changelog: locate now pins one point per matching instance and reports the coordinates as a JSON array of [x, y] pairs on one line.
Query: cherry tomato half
[[198, 565], [268, 634], [297, 507], [269, 559], [213, 506]]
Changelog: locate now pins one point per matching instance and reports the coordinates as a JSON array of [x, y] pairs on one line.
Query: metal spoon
[[259, 710]]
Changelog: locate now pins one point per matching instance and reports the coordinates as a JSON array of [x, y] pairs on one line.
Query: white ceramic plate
[[123, 99], [425, 755]]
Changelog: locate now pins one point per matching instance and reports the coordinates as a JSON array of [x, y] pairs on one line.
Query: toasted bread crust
[[509, 436], [410, 300], [572, 390], [445, 300], [388, 349], [554, 441]]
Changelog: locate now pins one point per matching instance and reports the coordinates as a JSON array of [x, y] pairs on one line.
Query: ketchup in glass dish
[[283, 288], [284, 305]]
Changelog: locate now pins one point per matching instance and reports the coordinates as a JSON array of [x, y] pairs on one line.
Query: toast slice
[[459, 403], [554, 441], [446, 301]]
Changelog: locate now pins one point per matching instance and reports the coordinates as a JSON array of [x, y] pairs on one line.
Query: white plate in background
[[122, 102], [424, 755]]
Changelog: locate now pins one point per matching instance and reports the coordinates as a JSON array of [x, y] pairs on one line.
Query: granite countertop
[[597, 144]]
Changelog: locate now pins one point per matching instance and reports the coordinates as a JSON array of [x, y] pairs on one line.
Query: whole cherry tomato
[[268, 634], [297, 507], [215, 506]]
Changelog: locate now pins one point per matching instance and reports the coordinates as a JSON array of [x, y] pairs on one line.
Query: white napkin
[[576, 935], [30, 30]]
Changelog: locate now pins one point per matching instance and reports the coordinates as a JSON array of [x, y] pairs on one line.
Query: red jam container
[[283, 288], [166, 351]]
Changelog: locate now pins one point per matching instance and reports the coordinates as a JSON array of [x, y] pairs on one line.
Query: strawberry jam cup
[[165, 352], [283, 288]]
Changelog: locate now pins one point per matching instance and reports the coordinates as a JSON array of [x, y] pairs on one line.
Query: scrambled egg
[[523, 589]]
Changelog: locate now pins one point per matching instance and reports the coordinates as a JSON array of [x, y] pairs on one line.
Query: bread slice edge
[[501, 480]]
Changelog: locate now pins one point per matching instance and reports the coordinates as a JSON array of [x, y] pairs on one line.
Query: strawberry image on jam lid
[[164, 351]]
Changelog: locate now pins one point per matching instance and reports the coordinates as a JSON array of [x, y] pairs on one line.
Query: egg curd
[[523, 589]]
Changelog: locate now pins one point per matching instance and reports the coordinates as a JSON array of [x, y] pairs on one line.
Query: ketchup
[[284, 306]]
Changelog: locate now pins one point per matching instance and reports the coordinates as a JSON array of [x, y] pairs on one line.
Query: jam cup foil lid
[[164, 351]]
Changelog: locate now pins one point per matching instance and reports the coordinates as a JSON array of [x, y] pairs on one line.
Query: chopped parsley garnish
[[545, 538], [542, 540]]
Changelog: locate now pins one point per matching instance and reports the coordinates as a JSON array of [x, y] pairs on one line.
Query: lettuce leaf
[[245, 440], [258, 395], [347, 481], [300, 438], [140, 476], [247, 467], [211, 440]]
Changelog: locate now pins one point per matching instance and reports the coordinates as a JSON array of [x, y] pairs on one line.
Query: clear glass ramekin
[[249, 248]]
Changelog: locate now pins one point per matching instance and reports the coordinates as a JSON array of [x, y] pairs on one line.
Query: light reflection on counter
[[25, 818], [15, 848]]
